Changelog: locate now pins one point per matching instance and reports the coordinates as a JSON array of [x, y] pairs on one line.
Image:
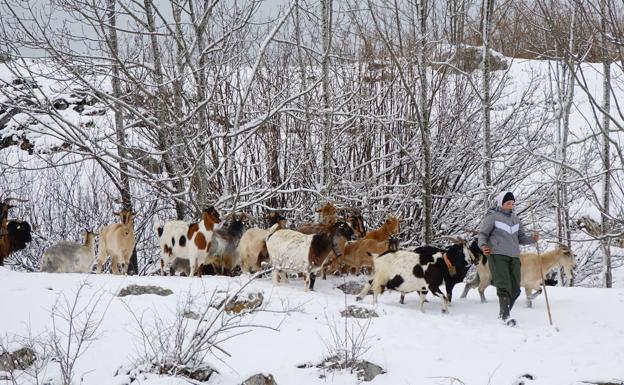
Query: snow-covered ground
[[468, 344]]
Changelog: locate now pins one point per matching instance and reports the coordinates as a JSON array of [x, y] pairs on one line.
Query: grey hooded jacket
[[502, 232]]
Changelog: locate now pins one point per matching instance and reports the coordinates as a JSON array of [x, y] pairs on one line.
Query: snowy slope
[[415, 348]]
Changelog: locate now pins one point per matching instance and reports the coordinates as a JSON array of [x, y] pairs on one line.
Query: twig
[[539, 257]]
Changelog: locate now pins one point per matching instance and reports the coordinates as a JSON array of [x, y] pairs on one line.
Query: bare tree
[[487, 9], [606, 151]]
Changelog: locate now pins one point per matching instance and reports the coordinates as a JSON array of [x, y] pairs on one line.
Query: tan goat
[[252, 246], [117, 240], [531, 277]]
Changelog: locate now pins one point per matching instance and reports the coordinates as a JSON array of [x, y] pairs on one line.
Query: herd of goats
[[337, 244]]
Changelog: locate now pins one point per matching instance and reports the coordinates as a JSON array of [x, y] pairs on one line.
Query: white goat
[[70, 257], [404, 271], [184, 240], [292, 251], [117, 240]]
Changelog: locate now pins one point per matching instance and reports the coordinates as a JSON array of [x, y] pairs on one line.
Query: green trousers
[[505, 275]]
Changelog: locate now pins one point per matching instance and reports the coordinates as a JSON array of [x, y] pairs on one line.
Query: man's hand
[[535, 236], [485, 249]]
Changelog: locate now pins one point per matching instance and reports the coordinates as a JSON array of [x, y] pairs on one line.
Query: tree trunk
[[565, 92], [327, 179], [120, 131], [487, 8], [305, 134], [427, 232], [606, 152], [165, 144]]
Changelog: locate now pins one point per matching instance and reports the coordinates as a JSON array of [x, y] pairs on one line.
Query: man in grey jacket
[[500, 235]]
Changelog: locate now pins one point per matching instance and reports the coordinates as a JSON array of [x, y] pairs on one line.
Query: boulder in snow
[[141, 290], [260, 379]]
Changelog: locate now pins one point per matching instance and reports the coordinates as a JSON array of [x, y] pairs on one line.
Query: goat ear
[[116, 213]]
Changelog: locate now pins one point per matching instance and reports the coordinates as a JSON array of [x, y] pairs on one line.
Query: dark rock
[[364, 370], [367, 371], [238, 305], [354, 311], [191, 315], [201, 374], [260, 379], [141, 290], [351, 287], [17, 360]]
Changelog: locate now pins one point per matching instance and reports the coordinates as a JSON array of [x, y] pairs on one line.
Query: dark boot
[[503, 302], [505, 307]]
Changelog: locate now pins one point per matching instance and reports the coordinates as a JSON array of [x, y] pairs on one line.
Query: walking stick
[[541, 270]]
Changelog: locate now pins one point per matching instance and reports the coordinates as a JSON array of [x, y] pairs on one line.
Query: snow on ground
[[469, 344]]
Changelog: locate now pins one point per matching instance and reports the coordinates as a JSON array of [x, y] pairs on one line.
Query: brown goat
[[5, 245], [327, 217], [390, 227], [117, 240], [357, 255], [327, 214], [355, 219], [13, 235]]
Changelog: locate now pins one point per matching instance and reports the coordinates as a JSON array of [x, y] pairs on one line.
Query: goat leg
[[312, 279]]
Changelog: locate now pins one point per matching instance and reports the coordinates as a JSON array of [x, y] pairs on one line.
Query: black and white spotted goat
[[422, 270]]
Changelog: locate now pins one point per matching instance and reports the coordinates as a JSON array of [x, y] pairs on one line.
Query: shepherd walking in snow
[[500, 235]]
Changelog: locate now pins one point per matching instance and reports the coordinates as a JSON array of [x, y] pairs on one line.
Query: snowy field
[[468, 344]]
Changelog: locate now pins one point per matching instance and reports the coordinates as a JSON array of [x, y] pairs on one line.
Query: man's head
[[506, 200]]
